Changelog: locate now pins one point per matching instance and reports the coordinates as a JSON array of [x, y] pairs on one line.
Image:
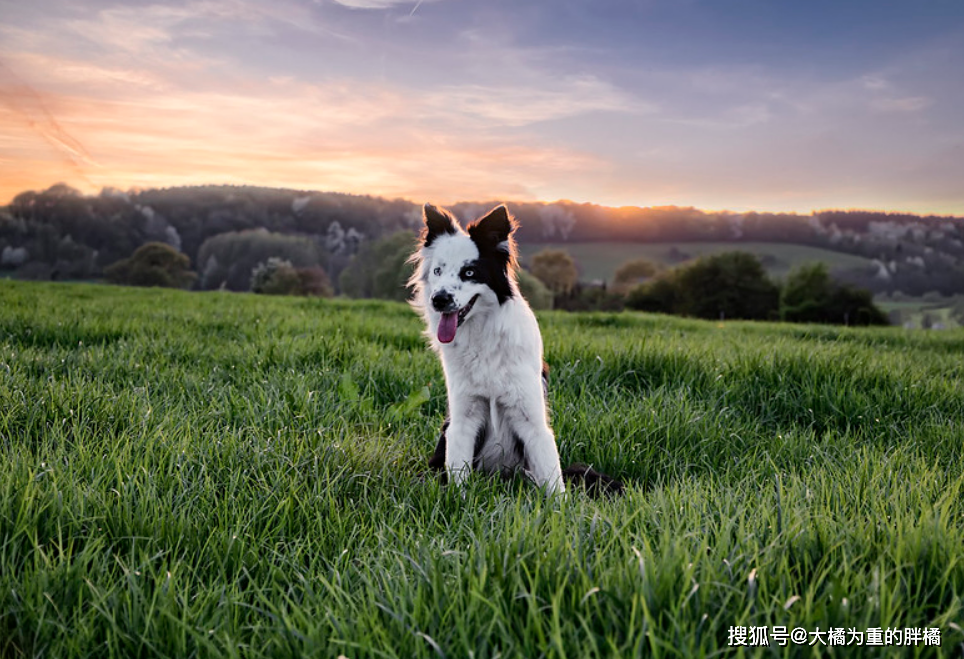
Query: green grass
[[599, 261], [230, 475]]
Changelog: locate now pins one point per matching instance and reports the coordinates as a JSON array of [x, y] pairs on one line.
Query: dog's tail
[[595, 483]]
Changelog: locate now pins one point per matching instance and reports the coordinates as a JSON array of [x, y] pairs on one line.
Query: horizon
[[752, 107], [491, 202]]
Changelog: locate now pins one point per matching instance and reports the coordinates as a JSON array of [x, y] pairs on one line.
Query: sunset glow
[[621, 104]]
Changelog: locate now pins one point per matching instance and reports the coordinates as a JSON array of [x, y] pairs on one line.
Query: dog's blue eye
[[468, 273], [437, 271]]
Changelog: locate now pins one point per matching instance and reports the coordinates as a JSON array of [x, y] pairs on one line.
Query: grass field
[[187, 474], [599, 261], [944, 312]]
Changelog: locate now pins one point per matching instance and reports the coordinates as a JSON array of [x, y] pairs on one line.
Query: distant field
[[599, 261], [942, 313], [228, 475]]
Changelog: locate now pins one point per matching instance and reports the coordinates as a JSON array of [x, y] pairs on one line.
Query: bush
[[806, 294], [556, 269], [314, 282], [380, 268], [534, 291], [855, 306], [810, 295], [278, 277], [657, 295], [228, 259], [726, 285], [631, 273], [153, 264], [274, 277], [589, 298]]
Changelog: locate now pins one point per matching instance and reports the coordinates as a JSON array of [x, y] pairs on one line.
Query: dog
[[487, 337]]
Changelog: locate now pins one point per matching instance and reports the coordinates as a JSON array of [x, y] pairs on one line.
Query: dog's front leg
[[466, 424], [530, 425], [459, 452], [543, 460]]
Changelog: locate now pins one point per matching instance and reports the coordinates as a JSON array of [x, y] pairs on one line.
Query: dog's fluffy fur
[[491, 350]]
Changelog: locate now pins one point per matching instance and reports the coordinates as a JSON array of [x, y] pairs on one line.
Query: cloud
[[29, 108], [381, 4], [516, 106], [471, 100], [874, 83], [348, 135], [151, 33], [903, 105]]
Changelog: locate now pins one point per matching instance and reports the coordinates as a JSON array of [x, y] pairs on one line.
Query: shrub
[[228, 259], [153, 264], [657, 295], [274, 277], [631, 274], [589, 298], [726, 285], [279, 277], [534, 291], [810, 295], [314, 282], [380, 268], [806, 294], [556, 269]]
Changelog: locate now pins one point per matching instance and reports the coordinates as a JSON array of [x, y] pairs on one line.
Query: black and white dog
[[491, 350]]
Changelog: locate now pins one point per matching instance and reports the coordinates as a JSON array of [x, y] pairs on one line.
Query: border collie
[[491, 350]]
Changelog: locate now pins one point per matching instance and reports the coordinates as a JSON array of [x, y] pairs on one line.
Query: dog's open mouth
[[449, 324]]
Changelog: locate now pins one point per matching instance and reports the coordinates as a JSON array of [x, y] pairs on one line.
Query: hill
[[205, 474], [598, 261]]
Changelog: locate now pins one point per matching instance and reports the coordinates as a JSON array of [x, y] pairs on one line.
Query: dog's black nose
[[443, 301]]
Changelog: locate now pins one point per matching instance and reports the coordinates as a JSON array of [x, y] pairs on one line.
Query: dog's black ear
[[438, 222], [494, 229]]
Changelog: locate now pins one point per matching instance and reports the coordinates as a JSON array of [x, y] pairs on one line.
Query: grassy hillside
[[229, 475], [599, 261]]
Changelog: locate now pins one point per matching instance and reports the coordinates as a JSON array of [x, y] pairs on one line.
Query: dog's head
[[460, 273]]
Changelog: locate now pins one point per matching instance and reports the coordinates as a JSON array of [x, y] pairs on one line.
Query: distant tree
[[726, 285], [806, 294], [314, 282], [74, 260], [279, 277], [274, 277], [810, 295], [12, 257], [855, 306], [633, 272], [379, 269], [585, 297], [657, 295], [61, 229], [228, 258], [534, 291], [153, 264], [556, 269]]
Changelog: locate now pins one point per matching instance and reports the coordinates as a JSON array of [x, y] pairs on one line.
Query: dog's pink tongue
[[447, 327]]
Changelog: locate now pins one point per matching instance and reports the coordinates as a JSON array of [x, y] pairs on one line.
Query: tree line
[[225, 232]]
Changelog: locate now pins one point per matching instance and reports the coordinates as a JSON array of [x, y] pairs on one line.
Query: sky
[[769, 105]]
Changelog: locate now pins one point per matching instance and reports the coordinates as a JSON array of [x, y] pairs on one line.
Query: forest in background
[[226, 231]]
